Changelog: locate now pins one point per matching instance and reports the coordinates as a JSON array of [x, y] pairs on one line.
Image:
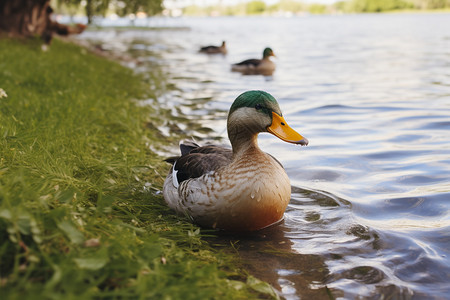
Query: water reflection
[[268, 255], [369, 215]]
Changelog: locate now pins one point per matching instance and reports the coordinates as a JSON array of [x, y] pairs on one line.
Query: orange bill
[[281, 129]]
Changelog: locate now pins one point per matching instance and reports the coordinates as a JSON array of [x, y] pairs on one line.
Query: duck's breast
[[244, 197], [266, 65]]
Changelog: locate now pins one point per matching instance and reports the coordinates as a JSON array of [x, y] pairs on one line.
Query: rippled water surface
[[369, 214]]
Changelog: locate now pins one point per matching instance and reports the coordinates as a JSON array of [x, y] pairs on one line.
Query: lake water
[[370, 210]]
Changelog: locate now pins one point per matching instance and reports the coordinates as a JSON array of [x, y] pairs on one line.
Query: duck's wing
[[252, 61], [200, 160], [187, 146], [208, 48]]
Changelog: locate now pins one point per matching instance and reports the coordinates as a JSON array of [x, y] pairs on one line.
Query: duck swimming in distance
[[241, 189], [214, 49], [254, 66]]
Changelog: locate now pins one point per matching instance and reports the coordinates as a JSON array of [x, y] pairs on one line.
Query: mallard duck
[[214, 49], [256, 66], [240, 189]]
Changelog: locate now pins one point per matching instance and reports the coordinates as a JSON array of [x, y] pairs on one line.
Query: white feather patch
[[174, 176]]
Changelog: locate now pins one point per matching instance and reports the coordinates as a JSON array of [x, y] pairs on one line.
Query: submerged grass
[[79, 216]]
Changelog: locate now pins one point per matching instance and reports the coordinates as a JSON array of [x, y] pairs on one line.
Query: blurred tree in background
[[32, 17], [430, 4], [255, 7], [371, 6], [24, 17], [120, 7]]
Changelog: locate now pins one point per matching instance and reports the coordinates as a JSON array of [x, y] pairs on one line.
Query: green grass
[[79, 214]]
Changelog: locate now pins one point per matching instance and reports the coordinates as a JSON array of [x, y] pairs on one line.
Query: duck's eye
[[258, 106]]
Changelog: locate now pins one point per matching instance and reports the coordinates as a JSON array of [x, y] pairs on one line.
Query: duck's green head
[[256, 99], [258, 111], [268, 52]]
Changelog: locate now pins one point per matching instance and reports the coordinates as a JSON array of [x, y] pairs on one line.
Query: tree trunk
[[89, 11], [24, 17]]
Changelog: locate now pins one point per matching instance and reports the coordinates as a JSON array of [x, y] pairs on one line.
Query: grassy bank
[[79, 214]]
